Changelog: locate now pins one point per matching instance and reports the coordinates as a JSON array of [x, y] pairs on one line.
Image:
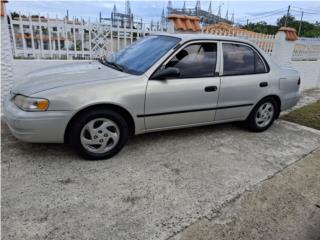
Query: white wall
[[6, 59], [310, 72]]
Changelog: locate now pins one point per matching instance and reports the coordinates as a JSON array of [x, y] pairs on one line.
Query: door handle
[[263, 84], [210, 89]]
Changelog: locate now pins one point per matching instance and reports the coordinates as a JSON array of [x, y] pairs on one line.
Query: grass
[[308, 115]]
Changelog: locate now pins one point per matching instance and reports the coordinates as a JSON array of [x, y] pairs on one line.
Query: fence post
[[131, 32], [82, 37], [13, 35], [66, 35], [118, 36], [32, 37], [58, 37], [49, 35], [6, 55], [90, 39], [318, 81], [41, 36], [22, 36], [74, 38], [111, 37], [284, 45]]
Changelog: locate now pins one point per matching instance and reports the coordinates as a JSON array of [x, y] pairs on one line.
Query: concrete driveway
[[158, 185]]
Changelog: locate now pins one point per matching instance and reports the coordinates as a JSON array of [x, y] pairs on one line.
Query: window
[[239, 59], [138, 57], [259, 64], [195, 60]]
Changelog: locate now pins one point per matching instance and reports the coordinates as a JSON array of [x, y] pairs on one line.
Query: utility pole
[[318, 83], [288, 12], [247, 21], [219, 12], [210, 7], [300, 25]]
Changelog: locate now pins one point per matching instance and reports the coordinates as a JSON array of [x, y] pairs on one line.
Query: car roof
[[202, 36]]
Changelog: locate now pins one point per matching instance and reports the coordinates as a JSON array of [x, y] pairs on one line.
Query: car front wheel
[[263, 115], [99, 134]]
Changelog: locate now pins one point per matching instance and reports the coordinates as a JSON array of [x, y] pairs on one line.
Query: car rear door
[[188, 99], [244, 81]]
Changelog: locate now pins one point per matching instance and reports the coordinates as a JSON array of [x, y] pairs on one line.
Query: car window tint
[[138, 57], [196, 60], [259, 65], [239, 59]]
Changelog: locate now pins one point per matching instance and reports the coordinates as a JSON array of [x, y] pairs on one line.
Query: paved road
[[285, 207], [158, 185]]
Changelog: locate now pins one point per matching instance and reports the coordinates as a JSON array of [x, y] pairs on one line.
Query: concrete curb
[[302, 127]]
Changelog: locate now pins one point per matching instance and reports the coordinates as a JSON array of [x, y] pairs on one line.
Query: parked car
[[159, 82]]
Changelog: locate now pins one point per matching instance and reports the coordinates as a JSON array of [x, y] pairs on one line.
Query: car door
[[190, 98], [244, 81]]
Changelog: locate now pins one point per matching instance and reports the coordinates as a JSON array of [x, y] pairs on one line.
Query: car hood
[[65, 75]]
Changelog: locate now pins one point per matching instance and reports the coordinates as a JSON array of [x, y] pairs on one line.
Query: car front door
[[190, 98], [244, 81]]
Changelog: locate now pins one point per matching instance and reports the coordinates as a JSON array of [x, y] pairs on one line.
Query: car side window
[[239, 59], [195, 60], [259, 64]]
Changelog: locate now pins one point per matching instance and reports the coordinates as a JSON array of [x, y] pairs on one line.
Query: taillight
[[299, 82]]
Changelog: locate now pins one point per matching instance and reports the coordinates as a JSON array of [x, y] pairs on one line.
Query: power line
[[281, 11], [263, 16], [270, 15], [307, 9], [306, 12]]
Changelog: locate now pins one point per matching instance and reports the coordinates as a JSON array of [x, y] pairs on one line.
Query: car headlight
[[30, 103]]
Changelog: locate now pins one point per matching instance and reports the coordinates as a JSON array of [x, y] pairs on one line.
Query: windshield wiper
[[111, 64]]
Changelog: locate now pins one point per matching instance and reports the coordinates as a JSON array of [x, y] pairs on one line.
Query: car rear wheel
[[99, 134], [263, 115]]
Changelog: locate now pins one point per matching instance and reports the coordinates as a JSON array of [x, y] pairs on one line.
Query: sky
[[255, 11]]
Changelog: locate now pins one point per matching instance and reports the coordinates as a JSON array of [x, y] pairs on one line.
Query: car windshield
[[141, 55]]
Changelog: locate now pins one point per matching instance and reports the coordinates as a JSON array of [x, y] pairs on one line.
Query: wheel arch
[[276, 98], [110, 106]]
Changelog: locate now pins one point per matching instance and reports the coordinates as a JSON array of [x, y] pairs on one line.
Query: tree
[[261, 27], [307, 29], [14, 15], [282, 21]]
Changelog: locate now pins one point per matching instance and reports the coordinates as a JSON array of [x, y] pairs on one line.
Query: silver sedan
[[159, 82]]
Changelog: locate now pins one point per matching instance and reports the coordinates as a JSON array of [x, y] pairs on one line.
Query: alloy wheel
[[100, 135], [265, 114]]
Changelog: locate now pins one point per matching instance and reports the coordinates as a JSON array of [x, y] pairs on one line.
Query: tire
[[98, 134], [256, 122]]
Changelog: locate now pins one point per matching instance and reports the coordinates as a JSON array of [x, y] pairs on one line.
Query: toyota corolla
[[159, 82]]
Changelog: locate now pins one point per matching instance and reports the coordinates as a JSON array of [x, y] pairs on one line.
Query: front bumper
[[40, 127]]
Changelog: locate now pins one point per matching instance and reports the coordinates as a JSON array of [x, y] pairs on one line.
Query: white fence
[[307, 49], [264, 41], [45, 38]]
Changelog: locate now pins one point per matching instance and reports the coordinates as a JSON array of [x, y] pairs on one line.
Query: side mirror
[[170, 72]]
